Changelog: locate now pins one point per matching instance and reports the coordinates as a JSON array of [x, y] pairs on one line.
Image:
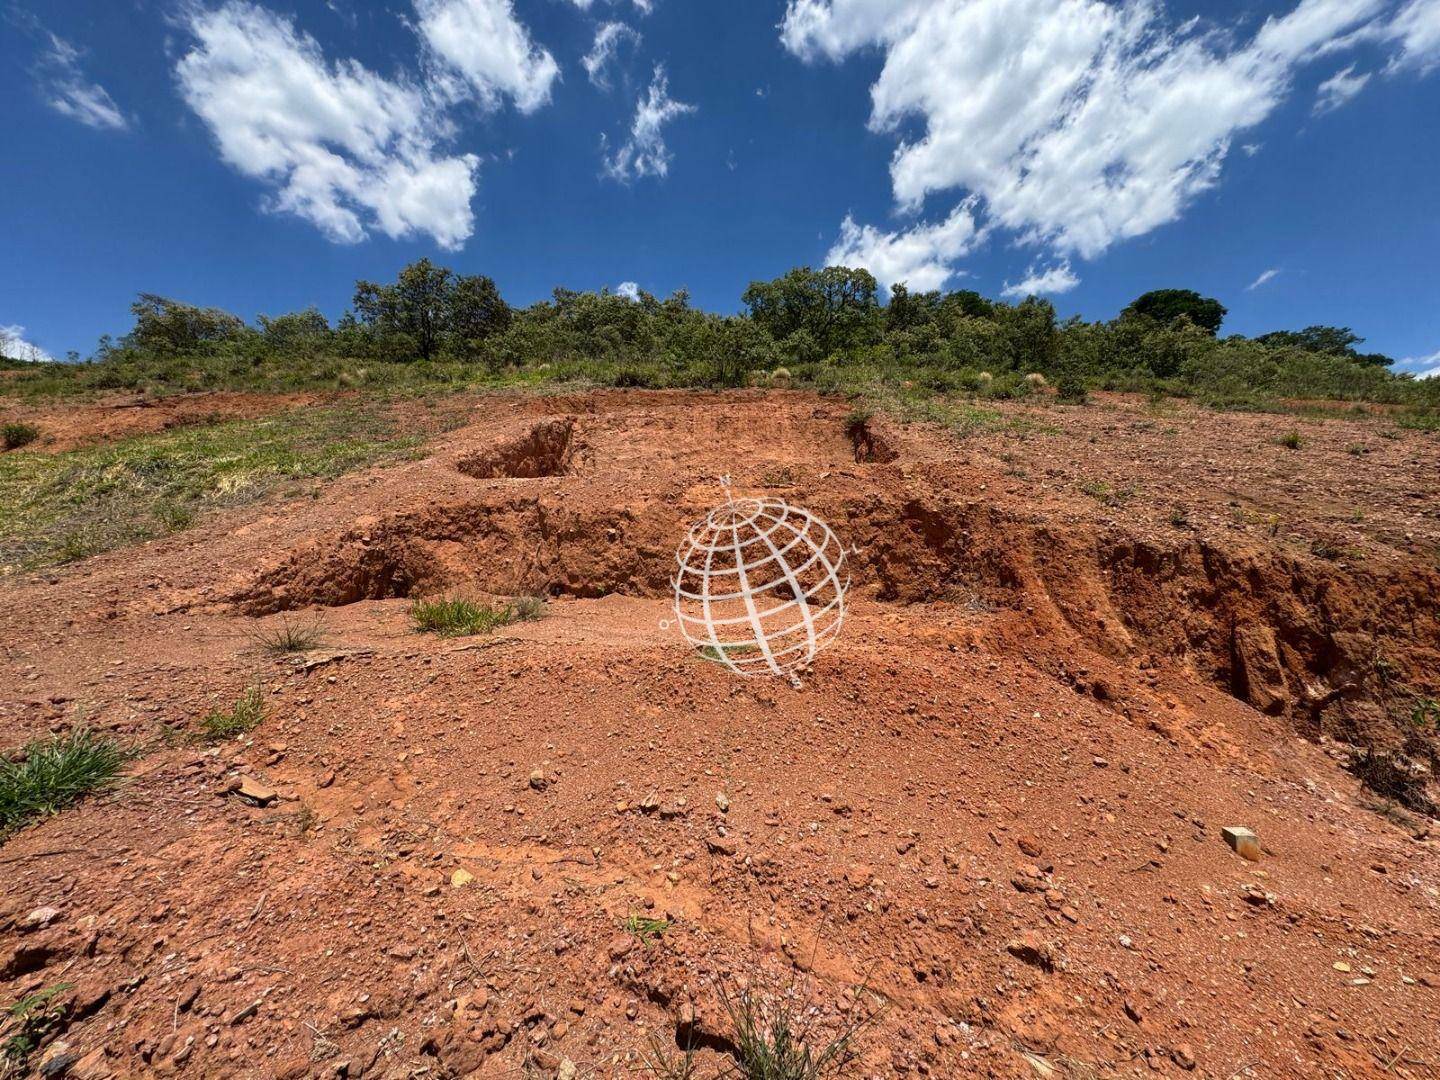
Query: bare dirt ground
[[1080, 645], [65, 426]]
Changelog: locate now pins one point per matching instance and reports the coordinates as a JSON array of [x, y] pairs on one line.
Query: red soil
[[996, 803]]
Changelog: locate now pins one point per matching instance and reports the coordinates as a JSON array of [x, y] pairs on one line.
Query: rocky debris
[[39, 919], [1242, 841], [253, 789], [461, 877], [1259, 671], [1029, 845], [538, 780], [1030, 948], [722, 801]]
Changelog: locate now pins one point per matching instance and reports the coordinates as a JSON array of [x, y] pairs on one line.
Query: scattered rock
[[721, 845], [859, 875], [1260, 676], [1029, 845], [723, 802], [255, 790], [538, 780], [1030, 948], [39, 919], [1242, 841], [461, 877]]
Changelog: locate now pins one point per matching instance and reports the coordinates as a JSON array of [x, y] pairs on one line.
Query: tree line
[[827, 327]]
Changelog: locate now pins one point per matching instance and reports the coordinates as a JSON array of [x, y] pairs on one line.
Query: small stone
[[58, 1059], [39, 919], [859, 875], [1242, 841], [537, 780], [461, 877], [1132, 1010], [256, 791], [619, 946], [1183, 1056], [721, 845], [1030, 948], [1340, 965], [1028, 844], [723, 802], [326, 778]]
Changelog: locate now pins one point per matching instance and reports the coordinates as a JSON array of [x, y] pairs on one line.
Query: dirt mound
[[989, 828]]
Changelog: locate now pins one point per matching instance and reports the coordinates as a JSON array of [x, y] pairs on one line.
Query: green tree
[[432, 309], [163, 325], [294, 328], [415, 307], [1167, 305], [837, 306], [475, 310], [1329, 340]]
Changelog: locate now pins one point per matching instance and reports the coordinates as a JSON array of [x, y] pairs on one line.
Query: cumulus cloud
[[644, 153], [1079, 123], [343, 147], [1338, 89], [1423, 367], [922, 257], [68, 91], [13, 346], [628, 289], [644, 7], [608, 39], [1265, 275], [1055, 279], [485, 50]]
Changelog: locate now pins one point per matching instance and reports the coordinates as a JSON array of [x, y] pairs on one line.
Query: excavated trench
[[549, 448], [1337, 651]]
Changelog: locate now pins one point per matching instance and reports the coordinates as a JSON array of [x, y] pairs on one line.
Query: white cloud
[[628, 289], [1338, 89], [1416, 29], [66, 89], [1055, 279], [608, 39], [922, 256], [1265, 275], [644, 153], [1423, 367], [644, 7], [482, 43], [13, 346], [1080, 123], [346, 149]]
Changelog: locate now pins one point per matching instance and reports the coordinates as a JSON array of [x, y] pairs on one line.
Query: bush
[[16, 435]]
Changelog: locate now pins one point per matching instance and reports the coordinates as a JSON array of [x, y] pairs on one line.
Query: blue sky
[[260, 156]]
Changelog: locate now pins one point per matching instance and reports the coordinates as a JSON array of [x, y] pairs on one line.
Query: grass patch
[[1291, 440], [57, 508], [291, 636], [776, 1041], [457, 617], [529, 608], [15, 435], [24, 1025], [244, 715], [648, 930], [54, 774]]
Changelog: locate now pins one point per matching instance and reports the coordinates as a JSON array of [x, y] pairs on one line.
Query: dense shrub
[[828, 328]]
